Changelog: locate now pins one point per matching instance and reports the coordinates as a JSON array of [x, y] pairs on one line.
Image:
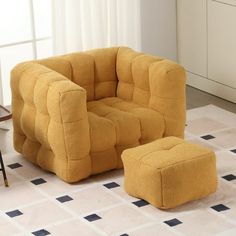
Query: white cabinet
[[222, 42], [192, 35], [207, 45]]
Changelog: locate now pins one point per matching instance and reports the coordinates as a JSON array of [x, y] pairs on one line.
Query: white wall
[[1, 95], [158, 28]]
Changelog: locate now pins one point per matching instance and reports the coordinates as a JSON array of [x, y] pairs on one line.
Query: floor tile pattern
[[220, 207], [173, 222], [38, 203], [140, 203]]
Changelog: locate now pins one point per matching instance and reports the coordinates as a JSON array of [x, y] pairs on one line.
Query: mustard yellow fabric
[[169, 172], [74, 114]]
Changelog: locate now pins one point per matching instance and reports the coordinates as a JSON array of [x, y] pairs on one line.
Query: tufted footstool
[[169, 172]]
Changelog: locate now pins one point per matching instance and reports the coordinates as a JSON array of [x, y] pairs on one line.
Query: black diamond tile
[[207, 137], [173, 222], [14, 165], [14, 213], [92, 217], [140, 203], [38, 181], [229, 177], [220, 207], [41, 232], [65, 198], [234, 150], [111, 185], [124, 235]]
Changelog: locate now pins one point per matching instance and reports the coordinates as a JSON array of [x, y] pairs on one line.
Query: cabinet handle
[[232, 3]]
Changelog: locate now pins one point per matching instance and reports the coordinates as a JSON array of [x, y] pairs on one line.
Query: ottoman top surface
[[165, 152]]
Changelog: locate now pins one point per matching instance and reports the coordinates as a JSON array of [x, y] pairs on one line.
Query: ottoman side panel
[[189, 180], [142, 181]]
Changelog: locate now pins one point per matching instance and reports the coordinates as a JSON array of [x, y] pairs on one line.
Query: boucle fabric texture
[[74, 114], [169, 172]]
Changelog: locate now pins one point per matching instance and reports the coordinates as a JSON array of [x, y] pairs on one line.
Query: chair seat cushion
[[116, 125], [169, 172], [114, 121]]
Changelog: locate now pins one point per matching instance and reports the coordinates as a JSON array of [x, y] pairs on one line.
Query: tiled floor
[[38, 203]]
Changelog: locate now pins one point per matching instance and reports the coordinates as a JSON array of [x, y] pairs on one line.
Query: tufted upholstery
[[74, 114], [169, 172]]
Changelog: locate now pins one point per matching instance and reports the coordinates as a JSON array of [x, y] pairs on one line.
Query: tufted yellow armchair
[[74, 114]]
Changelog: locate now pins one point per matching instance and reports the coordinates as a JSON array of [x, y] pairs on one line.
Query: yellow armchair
[[74, 114]]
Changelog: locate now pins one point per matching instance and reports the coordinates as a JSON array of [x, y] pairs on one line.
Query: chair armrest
[[154, 82], [167, 86], [50, 121]]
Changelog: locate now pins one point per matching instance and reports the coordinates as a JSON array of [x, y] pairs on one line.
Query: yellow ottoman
[[169, 172]]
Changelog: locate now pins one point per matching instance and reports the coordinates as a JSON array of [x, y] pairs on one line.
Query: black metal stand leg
[[3, 170]]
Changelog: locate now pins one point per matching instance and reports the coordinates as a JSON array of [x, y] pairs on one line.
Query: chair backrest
[[133, 71], [94, 70]]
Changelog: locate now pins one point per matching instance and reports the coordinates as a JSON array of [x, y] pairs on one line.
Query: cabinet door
[[192, 35], [222, 42]]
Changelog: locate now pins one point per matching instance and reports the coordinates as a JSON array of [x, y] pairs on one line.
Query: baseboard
[[211, 87]]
